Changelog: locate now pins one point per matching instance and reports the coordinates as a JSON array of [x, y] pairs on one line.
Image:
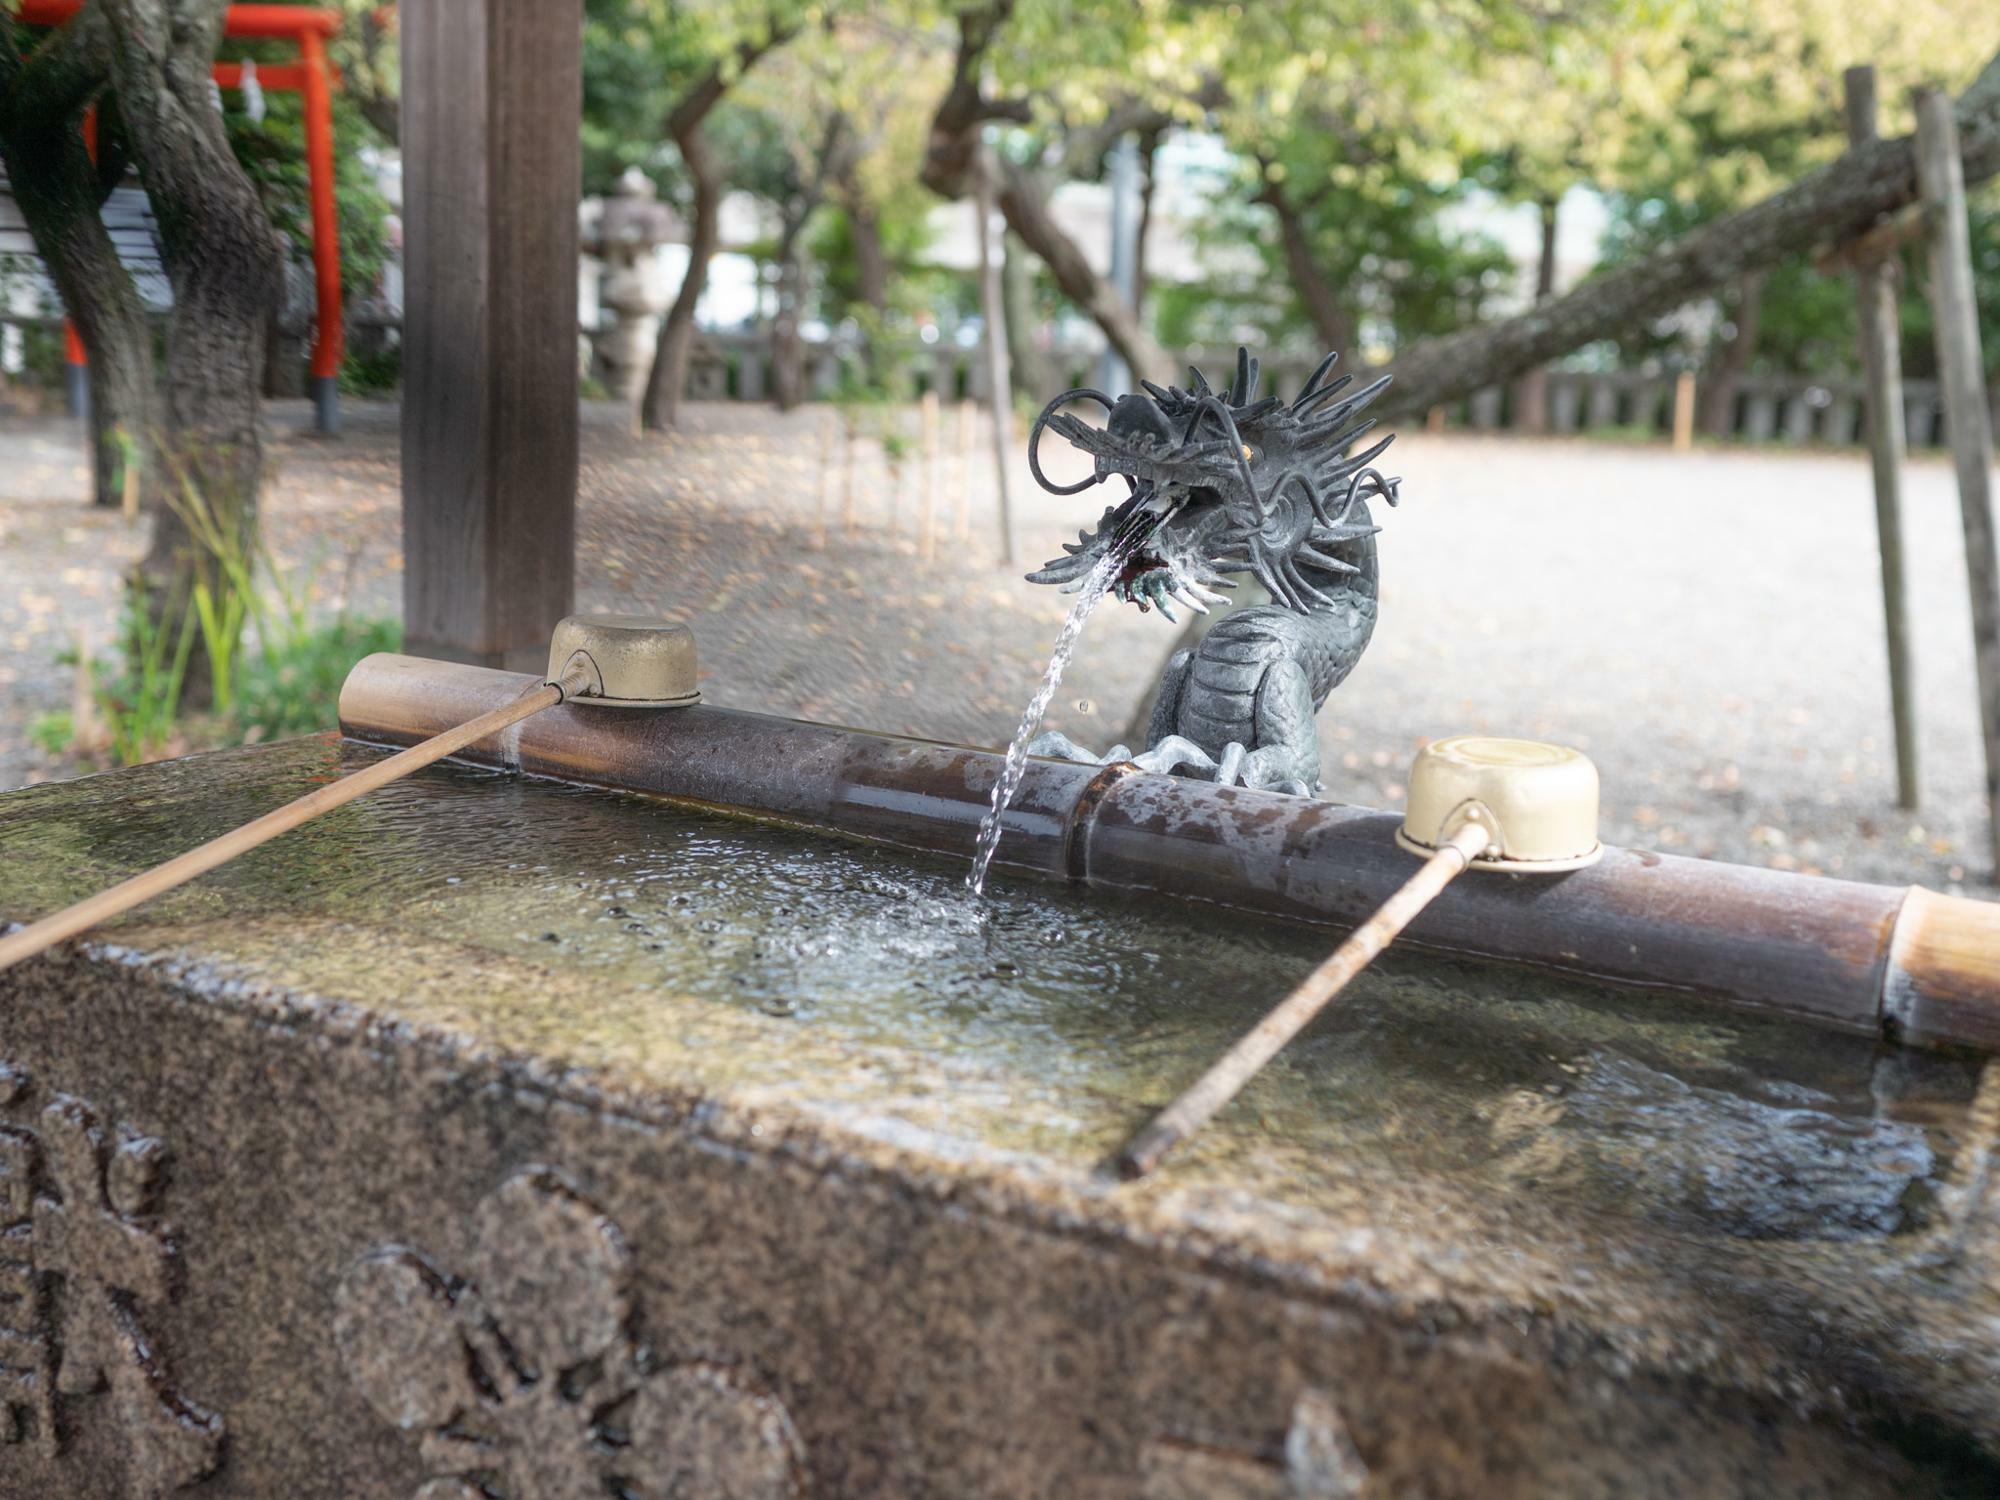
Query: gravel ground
[[1706, 625]]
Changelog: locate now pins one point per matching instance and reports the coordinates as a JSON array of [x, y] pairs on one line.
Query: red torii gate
[[313, 78]]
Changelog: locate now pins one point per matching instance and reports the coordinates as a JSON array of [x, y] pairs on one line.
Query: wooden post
[[999, 386], [329, 326], [929, 456], [1941, 180], [892, 440], [1684, 411], [1881, 363], [828, 436], [850, 482], [968, 415], [491, 174]]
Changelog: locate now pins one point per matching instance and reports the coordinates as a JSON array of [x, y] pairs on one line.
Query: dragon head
[[1221, 484]]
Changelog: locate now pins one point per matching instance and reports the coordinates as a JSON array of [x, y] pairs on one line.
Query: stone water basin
[[825, 1131]]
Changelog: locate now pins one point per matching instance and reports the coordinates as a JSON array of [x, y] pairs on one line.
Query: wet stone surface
[[1067, 1016], [521, 1139]]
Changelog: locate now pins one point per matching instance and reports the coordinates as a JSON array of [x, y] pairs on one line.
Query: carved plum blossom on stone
[[523, 1379], [84, 1254]]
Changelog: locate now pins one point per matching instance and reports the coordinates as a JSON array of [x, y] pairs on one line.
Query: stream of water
[[1095, 585]]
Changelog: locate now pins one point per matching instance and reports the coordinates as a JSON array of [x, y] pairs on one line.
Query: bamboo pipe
[[37, 937], [1899, 963], [1236, 1067]]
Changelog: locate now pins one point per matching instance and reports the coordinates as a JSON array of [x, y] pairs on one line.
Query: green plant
[[129, 705], [224, 590], [372, 372], [53, 732], [138, 701], [294, 688]]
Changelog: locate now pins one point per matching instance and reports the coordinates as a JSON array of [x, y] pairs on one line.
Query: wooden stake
[[827, 436], [929, 457], [1684, 411], [962, 503], [847, 493], [1941, 181], [87, 913], [1881, 363], [1263, 1042], [993, 312]]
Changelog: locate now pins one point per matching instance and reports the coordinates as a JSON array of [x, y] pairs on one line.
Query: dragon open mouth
[[1222, 483]]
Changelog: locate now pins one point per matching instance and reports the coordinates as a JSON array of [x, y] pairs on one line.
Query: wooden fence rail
[[1767, 408]]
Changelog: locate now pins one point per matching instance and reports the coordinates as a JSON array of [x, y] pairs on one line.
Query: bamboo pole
[[1684, 411], [1941, 181], [928, 458], [87, 913], [849, 483], [1881, 363], [1225, 1080], [828, 433], [968, 415]]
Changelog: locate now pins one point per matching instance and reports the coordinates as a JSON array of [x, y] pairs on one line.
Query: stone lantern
[[625, 232]]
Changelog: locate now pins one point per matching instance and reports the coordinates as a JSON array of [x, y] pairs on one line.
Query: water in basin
[[1060, 1018]]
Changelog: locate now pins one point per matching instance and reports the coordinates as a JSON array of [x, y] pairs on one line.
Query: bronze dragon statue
[[1228, 483]]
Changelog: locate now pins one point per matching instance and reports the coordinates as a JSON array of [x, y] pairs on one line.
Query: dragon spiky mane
[[1270, 486]]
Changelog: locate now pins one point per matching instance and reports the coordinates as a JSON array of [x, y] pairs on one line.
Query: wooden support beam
[[1969, 424], [999, 392], [1882, 368], [491, 173]]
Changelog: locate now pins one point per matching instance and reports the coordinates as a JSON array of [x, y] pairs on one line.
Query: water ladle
[[606, 661], [1476, 802]]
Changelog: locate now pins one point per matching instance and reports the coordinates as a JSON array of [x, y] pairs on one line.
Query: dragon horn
[[1340, 468], [1198, 382], [1313, 380], [1313, 399]]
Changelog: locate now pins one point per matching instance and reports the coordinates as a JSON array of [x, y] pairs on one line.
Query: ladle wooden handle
[[1261, 1043], [87, 913]]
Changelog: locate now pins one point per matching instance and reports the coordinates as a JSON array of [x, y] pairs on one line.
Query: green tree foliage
[[273, 153], [1762, 103]]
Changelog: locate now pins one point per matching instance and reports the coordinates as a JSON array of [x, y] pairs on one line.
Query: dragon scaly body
[[1230, 484]]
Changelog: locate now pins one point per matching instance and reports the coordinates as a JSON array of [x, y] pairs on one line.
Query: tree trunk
[[953, 149], [1025, 204], [1149, 159], [1831, 206], [1017, 297], [222, 258], [660, 406], [1331, 320], [788, 348], [668, 377], [1531, 391], [871, 262], [60, 191], [1732, 357]]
